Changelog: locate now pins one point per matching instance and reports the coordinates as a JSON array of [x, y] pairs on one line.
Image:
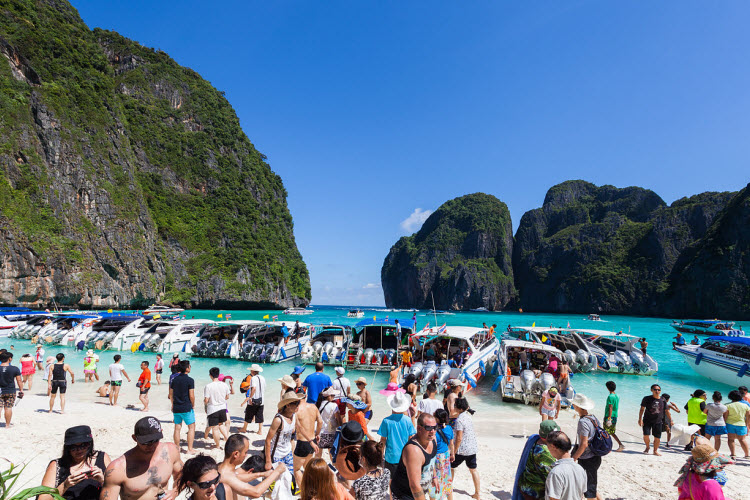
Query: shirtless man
[[309, 425], [236, 481], [143, 472], [450, 400]]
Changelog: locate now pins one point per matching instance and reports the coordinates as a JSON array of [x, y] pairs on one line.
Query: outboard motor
[[200, 347], [547, 380], [335, 353], [223, 347], [444, 371], [307, 352], [359, 358], [318, 349], [212, 347], [257, 351], [368, 354], [528, 381], [327, 348], [391, 355], [416, 369], [246, 350], [570, 357], [108, 337], [583, 360], [430, 371], [623, 362], [268, 351], [379, 353], [639, 362]]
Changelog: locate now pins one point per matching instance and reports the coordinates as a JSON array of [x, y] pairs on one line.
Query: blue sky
[[370, 111]]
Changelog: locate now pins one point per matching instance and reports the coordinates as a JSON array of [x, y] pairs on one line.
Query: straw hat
[[399, 402], [288, 398], [255, 368], [287, 381], [330, 392], [354, 397], [391, 388], [582, 402], [360, 380]]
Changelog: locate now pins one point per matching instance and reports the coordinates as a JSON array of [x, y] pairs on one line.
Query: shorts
[[549, 413], [8, 400], [217, 417], [408, 365], [60, 385], [653, 429], [158, 372], [716, 430], [303, 449], [611, 429], [144, 390], [739, 430], [326, 440], [254, 412], [89, 372], [287, 460], [115, 383], [591, 466], [187, 418], [471, 461]]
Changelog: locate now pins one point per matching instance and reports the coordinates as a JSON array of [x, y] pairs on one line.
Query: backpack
[[601, 443], [245, 384]]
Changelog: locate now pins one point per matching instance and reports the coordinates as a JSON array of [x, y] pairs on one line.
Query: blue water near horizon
[[675, 376]]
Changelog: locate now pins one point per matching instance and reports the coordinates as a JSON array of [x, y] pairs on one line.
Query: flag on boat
[[568, 324], [109, 311], [442, 328], [219, 316], [374, 318], [386, 318], [266, 316], [275, 317], [533, 324], [229, 316]]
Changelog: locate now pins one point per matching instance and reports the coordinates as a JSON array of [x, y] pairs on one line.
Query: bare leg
[[8, 415], [260, 428], [730, 442], [622, 446], [62, 403], [51, 402], [96, 374], [717, 442], [191, 438], [176, 436], [647, 440], [743, 444], [144, 400], [656, 447], [475, 478]]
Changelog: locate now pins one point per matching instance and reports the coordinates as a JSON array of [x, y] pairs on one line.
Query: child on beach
[[103, 391], [611, 409], [668, 422], [27, 369]]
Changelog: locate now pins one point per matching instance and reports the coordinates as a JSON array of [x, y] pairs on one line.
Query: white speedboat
[[594, 317], [273, 342], [622, 356], [220, 340], [297, 311], [31, 327], [176, 337], [526, 383], [115, 332], [580, 355], [375, 343], [9, 319], [724, 359], [479, 310], [355, 313], [63, 330], [328, 344], [705, 327], [157, 309], [453, 352]]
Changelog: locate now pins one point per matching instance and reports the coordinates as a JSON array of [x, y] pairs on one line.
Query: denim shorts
[[186, 418], [739, 430]]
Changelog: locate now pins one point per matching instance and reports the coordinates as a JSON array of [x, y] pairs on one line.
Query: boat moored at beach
[[622, 356], [272, 342], [115, 332], [175, 336], [580, 355], [63, 330], [9, 319], [31, 327], [355, 313], [376, 342], [705, 327], [724, 359], [220, 339], [328, 344]]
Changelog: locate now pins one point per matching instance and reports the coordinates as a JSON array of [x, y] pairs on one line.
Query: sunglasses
[[656, 390], [204, 485], [429, 428], [80, 446], [149, 443]]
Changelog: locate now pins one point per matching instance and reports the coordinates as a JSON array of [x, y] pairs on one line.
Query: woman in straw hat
[[279, 439], [703, 474], [287, 384], [364, 396]]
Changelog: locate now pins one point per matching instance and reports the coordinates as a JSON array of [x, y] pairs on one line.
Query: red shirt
[[145, 378]]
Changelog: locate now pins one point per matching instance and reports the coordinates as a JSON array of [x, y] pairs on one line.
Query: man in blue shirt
[[396, 430], [680, 340], [316, 383]]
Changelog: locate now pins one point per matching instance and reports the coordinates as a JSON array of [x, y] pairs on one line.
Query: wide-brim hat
[[705, 460], [399, 402], [39, 345], [288, 381], [175, 355], [298, 369], [357, 405], [391, 388], [583, 402], [255, 368], [330, 392], [289, 397], [360, 380], [352, 433], [77, 435], [454, 382]]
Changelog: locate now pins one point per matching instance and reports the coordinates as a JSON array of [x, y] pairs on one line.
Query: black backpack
[[601, 443]]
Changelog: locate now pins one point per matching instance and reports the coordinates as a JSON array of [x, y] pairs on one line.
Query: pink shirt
[[694, 489]]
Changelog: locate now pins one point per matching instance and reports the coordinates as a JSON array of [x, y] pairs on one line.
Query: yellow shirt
[[406, 356], [736, 413]]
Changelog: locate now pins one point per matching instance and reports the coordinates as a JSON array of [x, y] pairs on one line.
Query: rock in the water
[[461, 256]]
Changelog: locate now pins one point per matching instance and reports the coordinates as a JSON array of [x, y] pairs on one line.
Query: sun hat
[[581, 401], [352, 433], [354, 397], [547, 427], [39, 345], [391, 388], [455, 382], [90, 352], [360, 380], [298, 369], [78, 434], [255, 367], [289, 397], [357, 405], [330, 392], [704, 460], [399, 402], [147, 429], [176, 355], [553, 390], [287, 381]]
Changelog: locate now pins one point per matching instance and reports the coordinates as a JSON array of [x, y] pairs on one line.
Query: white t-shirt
[[342, 385], [39, 356], [217, 393], [468, 444], [115, 372], [260, 388], [328, 412], [429, 406]]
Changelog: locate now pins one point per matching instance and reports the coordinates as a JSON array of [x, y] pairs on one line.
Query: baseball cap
[[547, 427], [147, 429]]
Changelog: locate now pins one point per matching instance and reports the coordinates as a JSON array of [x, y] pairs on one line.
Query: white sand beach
[[36, 437]]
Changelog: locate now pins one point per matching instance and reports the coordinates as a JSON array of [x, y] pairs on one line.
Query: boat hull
[[717, 369]]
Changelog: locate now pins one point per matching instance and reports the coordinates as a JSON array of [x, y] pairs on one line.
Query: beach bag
[[601, 444], [245, 384]]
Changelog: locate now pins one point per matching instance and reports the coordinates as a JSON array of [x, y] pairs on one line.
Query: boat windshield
[[538, 360], [378, 336], [729, 348]]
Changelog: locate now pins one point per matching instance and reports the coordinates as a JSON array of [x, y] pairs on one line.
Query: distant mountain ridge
[[609, 250], [126, 178]]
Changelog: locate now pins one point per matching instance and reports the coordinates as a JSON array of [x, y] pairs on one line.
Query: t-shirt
[[468, 445], [217, 393], [655, 408], [115, 372], [548, 402], [89, 362], [341, 384], [397, 429], [358, 417], [534, 474], [693, 488], [375, 486], [8, 376], [429, 405], [406, 356], [566, 480], [145, 379], [181, 393], [737, 412], [715, 414], [614, 400], [259, 383], [442, 446], [316, 383], [328, 412], [586, 428]]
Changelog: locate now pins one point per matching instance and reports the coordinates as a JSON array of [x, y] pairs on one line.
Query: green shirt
[[534, 475], [614, 400]]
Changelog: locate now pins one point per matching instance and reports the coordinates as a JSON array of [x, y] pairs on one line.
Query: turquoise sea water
[[675, 376]]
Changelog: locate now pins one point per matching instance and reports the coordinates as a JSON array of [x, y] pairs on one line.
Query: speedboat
[[479, 310], [219, 340], [9, 320], [63, 330], [177, 336], [375, 343], [453, 352], [622, 356], [115, 332], [724, 359], [355, 313], [272, 342], [157, 309], [580, 355], [526, 383], [297, 311], [594, 317], [705, 327], [328, 345]]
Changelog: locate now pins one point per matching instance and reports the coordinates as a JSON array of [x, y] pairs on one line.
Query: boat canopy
[[731, 340], [406, 323]]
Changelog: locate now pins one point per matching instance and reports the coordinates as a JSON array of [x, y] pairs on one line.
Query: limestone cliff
[[126, 178]]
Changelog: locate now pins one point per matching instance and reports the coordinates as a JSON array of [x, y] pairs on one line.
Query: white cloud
[[371, 286], [415, 220]]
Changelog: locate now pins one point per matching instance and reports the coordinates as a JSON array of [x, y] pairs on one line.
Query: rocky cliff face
[[126, 178], [604, 249], [461, 256], [712, 278]]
